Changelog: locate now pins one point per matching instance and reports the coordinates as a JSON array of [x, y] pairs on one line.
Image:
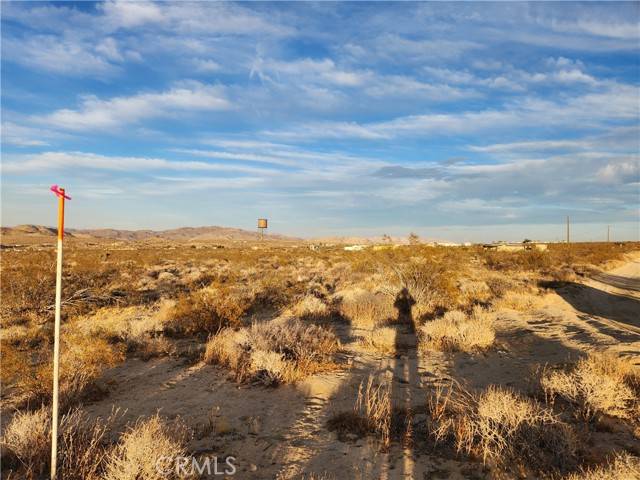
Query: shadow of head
[[404, 302]]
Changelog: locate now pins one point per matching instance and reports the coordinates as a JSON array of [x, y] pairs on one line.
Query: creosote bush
[[500, 426], [279, 351], [599, 383], [456, 331]]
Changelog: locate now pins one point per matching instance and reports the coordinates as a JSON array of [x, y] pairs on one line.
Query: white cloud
[[206, 65], [58, 55], [387, 86], [48, 161], [616, 104], [314, 71], [128, 14], [208, 18], [119, 111], [23, 136], [621, 170], [109, 48]]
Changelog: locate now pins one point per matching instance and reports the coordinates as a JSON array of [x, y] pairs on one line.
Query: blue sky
[[458, 121]]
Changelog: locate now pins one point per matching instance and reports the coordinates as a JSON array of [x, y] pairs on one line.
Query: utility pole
[[567, 229], [608, 233]]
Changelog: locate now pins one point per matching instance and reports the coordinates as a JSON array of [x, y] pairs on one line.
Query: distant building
[[355, 248], [515, 247]]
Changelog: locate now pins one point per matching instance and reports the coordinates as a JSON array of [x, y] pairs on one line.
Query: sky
[[456, 121]]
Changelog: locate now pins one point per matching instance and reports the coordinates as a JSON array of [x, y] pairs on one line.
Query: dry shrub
[[310, 307], [144, 448], [519, 301], [126, 324], [27, 441], [274, 352], [373, 406], [82, 361], [600, 383], [209, 310], [366, 310], [147, 347], [623, 467], [82, 446], [474, 292], [380, 339], [500, 426], [429, 283], [372, 414], [533, 260], [456, 331]]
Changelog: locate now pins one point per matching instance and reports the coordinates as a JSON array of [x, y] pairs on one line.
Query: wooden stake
[[56, 342]]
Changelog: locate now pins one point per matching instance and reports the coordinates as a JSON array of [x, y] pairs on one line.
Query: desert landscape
[[319, 240], [288, 359]]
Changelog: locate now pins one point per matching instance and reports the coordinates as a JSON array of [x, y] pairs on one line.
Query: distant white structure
[[447, 244], [515, 247], [355, 248]]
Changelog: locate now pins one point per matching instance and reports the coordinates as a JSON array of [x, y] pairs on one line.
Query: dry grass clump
[[310, 307], [82, 361], [380, 339], [600, 383], [27, 441], [209, 310], [144, 448], [373, 406], [519, 301], [623, 467], [371, 415], [366, 310], [456, 331], [474, 292], [500, 426], [124, 324], [274, 352], [82, 446]]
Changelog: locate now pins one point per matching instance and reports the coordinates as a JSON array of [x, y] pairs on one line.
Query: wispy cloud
[[119, 111], [50, 161]]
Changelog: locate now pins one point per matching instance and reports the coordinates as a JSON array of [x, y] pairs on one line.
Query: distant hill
[[32, 230], [185, 234]]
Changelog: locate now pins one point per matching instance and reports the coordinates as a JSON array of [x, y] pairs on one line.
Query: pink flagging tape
[[55, 189]]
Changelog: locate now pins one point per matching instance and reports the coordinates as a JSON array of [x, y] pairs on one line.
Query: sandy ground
[[282, 433]]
